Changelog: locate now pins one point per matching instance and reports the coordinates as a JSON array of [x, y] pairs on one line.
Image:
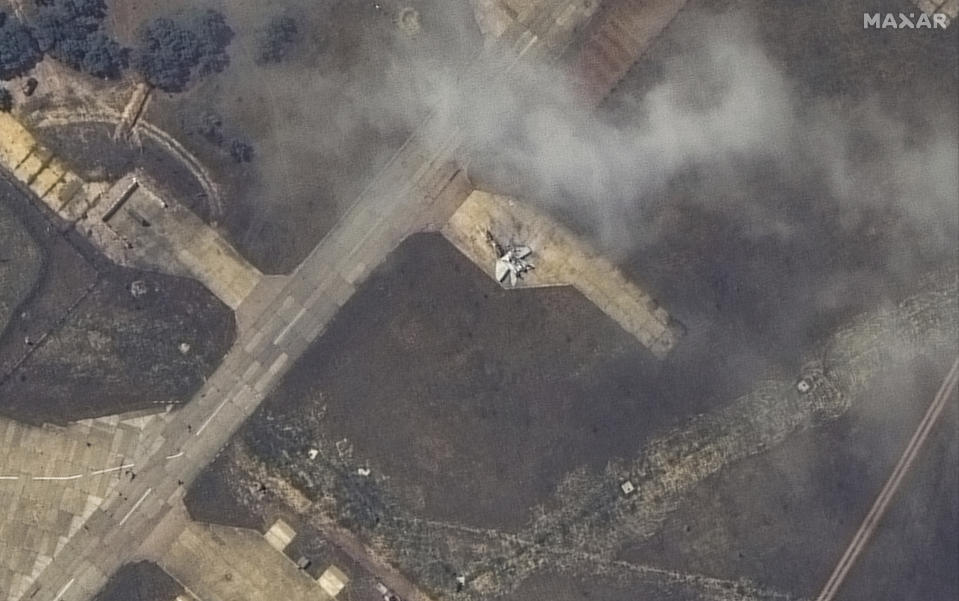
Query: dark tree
[[57, 21], [6, 100], [241, 151], [166, 54], [70, 31], [210, 126], [278, 40], [18, 49], [214, 36], [70, 51], [104, 57]]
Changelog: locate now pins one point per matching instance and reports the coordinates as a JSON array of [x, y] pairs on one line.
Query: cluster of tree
[[241, 151], [278, 39], [210, 126], [70, 31], [19, 51], [169, 53]]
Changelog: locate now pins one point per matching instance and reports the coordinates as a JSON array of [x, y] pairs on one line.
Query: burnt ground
[[468, 402], [140, 581], [21, 262], [784, 518], [759, 257], [82, 345], [322, 121], [474, 400], [563, 586], [912, 556], [224, 493], [787, 259], [412, 376], [753, 306]]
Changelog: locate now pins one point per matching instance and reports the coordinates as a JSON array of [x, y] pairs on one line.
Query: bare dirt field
[[84, 345], [140, 581], [321, 121]]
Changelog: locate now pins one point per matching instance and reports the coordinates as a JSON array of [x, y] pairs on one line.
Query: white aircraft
[[512, 261]]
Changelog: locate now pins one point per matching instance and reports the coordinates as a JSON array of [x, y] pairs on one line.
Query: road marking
[[253, 342], [112, 469], [212, 415], [289, 326], [73, 477], [895, 479], [175, 455], [9, 477], [270, 374], [136, 506], [250, 370], [278, 364], [63, 591]]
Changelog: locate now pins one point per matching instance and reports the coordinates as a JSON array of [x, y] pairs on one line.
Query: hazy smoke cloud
[[724, 111], [723, 105]]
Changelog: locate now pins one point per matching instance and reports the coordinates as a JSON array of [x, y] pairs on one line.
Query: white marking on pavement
[[135, 506], [289, 326], [73, 477], [278, 364], [112, 469], [175, 455], [212, 415], [9, 477], [892, 485], [63, 591]]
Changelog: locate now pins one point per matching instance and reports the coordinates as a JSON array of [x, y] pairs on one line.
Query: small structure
[[138, 288], [280, 535], [303, 562], [333, 580], [627, 487]]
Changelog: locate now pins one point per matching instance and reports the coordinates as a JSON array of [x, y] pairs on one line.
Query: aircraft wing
[[502, 269]]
